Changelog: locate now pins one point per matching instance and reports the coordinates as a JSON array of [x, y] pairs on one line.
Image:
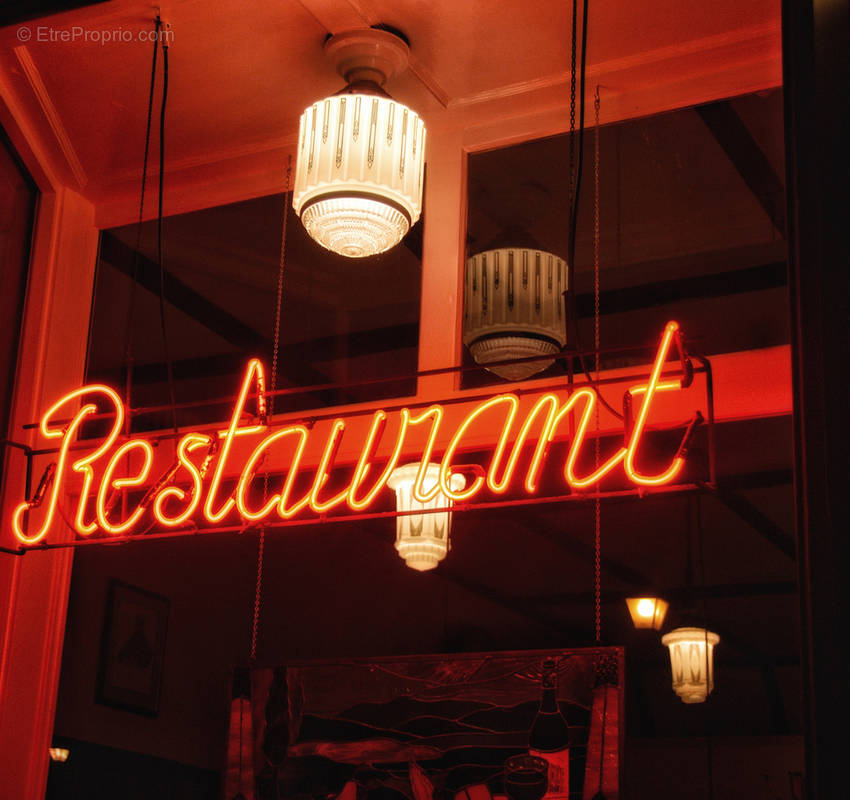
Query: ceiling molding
[[274, 144], [60, 134], [336, 15], [737, 42], [424, 76], [25, 137], [216, 179], [559, 79], [741, 39]]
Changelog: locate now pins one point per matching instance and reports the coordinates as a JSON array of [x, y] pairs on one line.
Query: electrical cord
[[579, 168], [580, 163], [168, 364], [128, 339]]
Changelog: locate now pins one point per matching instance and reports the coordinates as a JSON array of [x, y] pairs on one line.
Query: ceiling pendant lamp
[[422, 540], [647, 612], [59, 754], [692, 662], [514, 308], [361, 154]]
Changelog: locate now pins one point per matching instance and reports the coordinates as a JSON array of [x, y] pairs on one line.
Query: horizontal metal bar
[[17, 445], [228, 400], [359, 412], [323, 520]]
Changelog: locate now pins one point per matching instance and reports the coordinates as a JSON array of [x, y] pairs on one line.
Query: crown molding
[[60, 134]]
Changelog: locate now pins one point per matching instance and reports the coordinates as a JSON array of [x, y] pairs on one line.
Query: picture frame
[[405, 723], [132, 649]]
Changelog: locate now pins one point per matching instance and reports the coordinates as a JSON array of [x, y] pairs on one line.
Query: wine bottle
[[549, 737]]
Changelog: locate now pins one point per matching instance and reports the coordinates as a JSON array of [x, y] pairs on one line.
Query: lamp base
[[502, 348], [356, 225]]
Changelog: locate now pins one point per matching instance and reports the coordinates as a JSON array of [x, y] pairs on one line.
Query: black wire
[[571, 232], [159, 237], [128, 340], [573, 104], [709, 754], [580, 164]]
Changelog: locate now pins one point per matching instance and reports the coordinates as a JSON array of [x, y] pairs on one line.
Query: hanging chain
[[258, 589], [596, 345], [276, 347], [597, 570], [597, 539]]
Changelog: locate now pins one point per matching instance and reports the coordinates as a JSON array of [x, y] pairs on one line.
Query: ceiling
[[239, 81]]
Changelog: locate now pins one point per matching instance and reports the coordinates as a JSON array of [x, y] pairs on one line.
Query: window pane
[[691, 224], [349, 327]]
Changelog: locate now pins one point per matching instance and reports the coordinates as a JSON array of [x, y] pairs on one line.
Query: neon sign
[[194, 485]]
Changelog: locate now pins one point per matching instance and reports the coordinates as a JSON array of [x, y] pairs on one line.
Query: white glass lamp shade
[[514, 308], [692, 662], [422, 540], [647, 612], [358, 175]]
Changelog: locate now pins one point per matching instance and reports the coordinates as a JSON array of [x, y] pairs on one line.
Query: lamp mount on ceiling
[[361, 154], [368, 56]]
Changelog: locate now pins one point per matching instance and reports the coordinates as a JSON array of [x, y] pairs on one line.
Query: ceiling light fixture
[[514, 308], [422, 540], [361, 154], [647, 612], [692, 662], [59, 754]]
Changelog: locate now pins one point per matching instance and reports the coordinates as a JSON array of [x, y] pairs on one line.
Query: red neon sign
[[192, 486]]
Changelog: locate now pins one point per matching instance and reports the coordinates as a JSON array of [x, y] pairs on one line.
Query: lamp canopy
[[368, 55], [361, 155]]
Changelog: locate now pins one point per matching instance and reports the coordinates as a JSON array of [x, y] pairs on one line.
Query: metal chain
[[597, 539], [596, 343], [276, 347], [597, 568], [258, 588]]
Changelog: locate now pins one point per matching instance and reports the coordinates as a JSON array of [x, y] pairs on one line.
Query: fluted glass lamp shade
[[422, 540], [692, 662], [358, 175], [514, 308], [647, 612]]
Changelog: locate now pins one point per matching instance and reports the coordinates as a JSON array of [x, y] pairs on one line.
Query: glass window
[[691, 224], [349, 328]]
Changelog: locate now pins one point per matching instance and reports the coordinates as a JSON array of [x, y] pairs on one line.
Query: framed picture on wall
[[432, 726], [132, 649]]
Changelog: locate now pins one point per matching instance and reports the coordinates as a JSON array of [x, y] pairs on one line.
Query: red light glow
[[194, 484]]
